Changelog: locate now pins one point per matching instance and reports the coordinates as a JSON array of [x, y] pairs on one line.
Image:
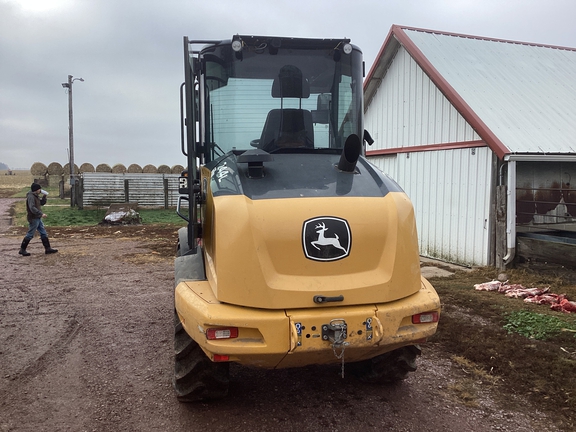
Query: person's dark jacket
[[33, 206]]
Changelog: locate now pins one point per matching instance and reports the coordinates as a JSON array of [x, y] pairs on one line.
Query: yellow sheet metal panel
[[278, 339], [382, 266], [261, 331]]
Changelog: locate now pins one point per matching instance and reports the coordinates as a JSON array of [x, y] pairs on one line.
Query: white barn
[[481, 134]]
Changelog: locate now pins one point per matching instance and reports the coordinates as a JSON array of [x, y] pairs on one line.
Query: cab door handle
[[323, 299]]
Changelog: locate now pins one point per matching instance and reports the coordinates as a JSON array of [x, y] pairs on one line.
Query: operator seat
[[288, 127]]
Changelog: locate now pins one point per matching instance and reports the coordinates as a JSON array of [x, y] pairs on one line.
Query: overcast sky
[[130, 54]]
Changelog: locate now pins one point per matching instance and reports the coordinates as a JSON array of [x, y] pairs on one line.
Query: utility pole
[[68, 85]]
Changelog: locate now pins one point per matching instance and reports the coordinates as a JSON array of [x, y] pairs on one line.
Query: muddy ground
[[86, 345]]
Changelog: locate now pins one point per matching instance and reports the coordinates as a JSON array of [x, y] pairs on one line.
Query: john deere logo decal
[[326, 239]]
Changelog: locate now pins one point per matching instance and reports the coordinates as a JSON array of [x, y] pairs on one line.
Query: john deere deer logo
[[326, 238], [326, 241]]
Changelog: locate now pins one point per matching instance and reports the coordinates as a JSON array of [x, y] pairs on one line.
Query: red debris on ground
[[557, 302], [545, 299], [564, 305], [521, 292]]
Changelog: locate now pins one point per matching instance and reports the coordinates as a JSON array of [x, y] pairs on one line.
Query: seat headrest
[[290, 83]]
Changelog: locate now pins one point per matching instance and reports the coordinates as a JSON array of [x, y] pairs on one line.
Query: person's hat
[[35, 187]]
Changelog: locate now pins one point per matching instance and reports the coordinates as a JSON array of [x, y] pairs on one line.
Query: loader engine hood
[[292, 230]]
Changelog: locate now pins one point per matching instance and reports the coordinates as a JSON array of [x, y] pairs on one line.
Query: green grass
[[160, 216], [536, 325], [23, 192], [61, 214]]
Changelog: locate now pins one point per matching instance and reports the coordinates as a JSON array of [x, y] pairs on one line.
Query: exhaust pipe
[[350, 154]]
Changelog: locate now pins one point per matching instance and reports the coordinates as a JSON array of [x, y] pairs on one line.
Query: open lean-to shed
[[481, 134]]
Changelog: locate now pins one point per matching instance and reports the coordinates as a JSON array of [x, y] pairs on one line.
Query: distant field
[[13, 184]]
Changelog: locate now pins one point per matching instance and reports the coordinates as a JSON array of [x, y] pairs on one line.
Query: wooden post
[[61, 187], [80, 193], [500, 226], [165, 180], [126, 191]]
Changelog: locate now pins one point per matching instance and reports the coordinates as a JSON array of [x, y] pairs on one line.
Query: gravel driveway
[[86, 345]]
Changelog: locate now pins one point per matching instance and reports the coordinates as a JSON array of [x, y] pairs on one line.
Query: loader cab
[[276, 94], [268, 95]]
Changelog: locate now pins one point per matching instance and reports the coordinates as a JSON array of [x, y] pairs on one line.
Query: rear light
[[222, 333], [425, 318], [221, 358]]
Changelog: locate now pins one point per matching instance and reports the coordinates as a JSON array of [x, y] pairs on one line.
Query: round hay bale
[[66, 169], [104, 168], [177, 169], [87, 168], [55, 169], [163, 169], [118, 169], [149, 169], [38, 169], [135, 169], [54, 181]]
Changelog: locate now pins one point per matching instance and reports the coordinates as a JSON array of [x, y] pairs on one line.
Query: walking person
[[35, 215]]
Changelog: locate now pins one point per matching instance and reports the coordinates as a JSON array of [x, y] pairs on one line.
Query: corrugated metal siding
[[450, 191], [145, 189], [526, 94], [408, 110]]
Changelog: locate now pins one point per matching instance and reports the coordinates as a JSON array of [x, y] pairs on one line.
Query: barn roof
[[519, 97]]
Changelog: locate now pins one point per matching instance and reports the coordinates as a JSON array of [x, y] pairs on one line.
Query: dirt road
[[86, 345]]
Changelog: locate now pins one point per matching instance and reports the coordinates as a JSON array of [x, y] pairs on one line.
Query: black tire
[[196, 377], [387, 368]]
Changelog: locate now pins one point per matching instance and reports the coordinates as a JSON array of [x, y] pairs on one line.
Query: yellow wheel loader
[[297, 250]]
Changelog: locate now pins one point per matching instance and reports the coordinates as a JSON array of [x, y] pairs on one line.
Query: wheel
[[390, 367], [196, 377]]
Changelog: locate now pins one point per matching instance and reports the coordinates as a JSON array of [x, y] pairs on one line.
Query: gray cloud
[[130, 55]]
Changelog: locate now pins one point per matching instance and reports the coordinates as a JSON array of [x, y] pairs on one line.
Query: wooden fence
[[150, 190]]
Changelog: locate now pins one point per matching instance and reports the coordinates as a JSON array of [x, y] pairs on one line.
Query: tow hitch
[[336, 332]]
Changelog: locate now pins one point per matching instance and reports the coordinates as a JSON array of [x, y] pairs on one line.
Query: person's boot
[[23, 247], [47, 247]]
